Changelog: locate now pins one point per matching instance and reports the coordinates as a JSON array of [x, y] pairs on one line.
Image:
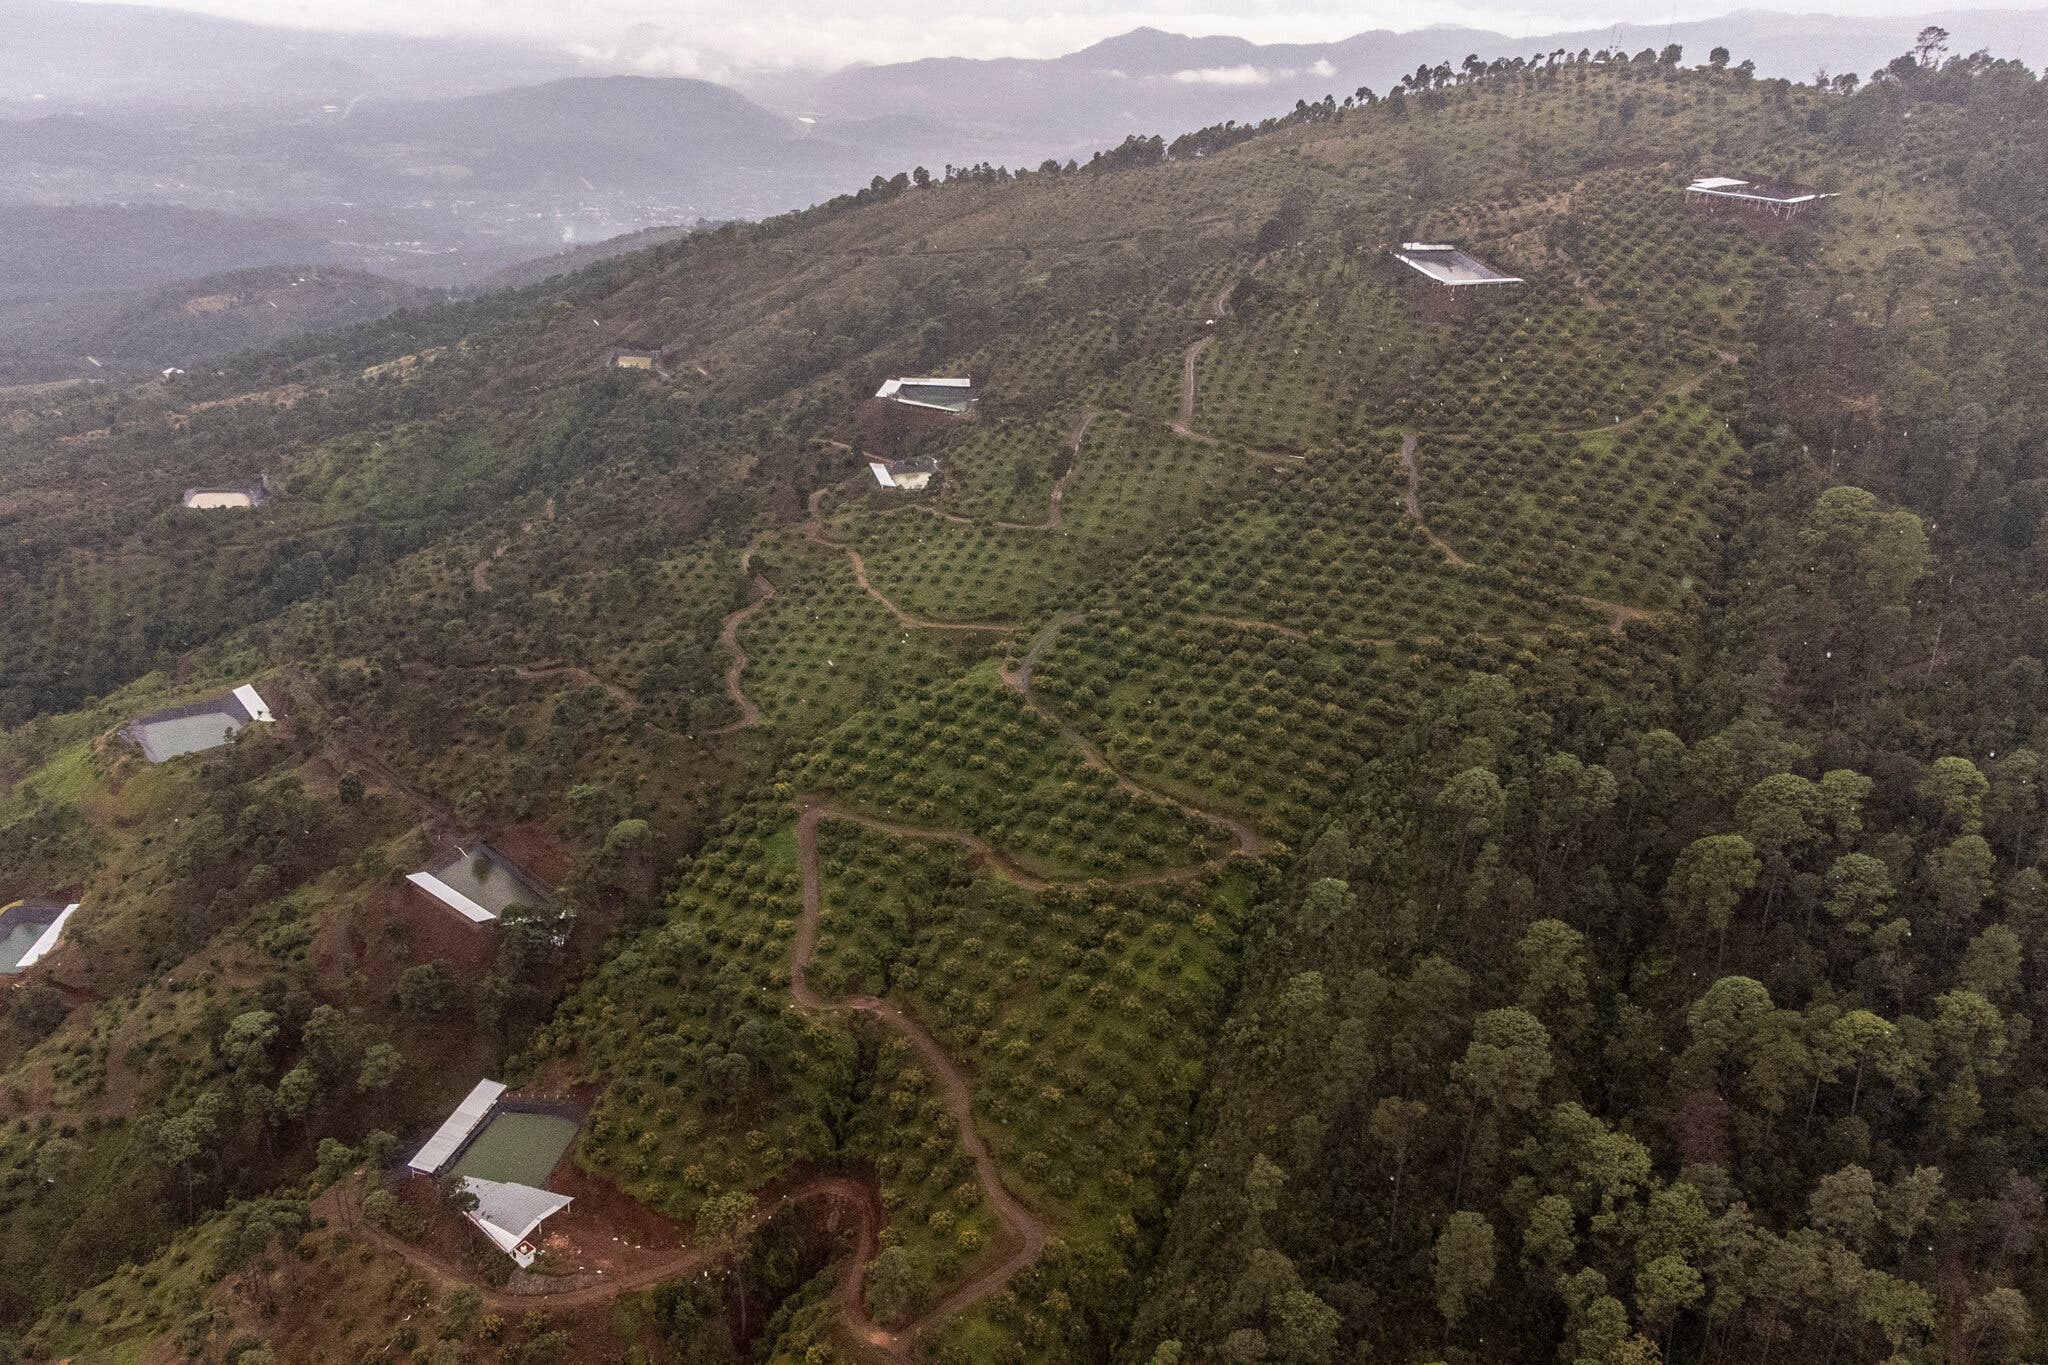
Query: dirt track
[[1413, 499], [576, 1295], [1184, 425], [814, 531], [1026, 1232], [729, 636], [1249, 844], [1618, 614]]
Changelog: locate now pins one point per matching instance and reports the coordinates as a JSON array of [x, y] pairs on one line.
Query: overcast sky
[[718, 38]]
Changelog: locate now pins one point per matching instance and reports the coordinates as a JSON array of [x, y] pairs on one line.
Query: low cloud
[[1228, 75], [1247, 74], [659, 59]]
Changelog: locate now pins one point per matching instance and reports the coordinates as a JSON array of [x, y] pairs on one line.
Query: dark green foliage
[[1648, 969], [35, 1012]]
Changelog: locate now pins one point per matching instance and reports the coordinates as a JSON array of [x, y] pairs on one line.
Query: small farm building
[[1451, 279], [635, 360], [1775, 199], [1449, 267], [912, 475], [941, 395], [502, 1152], [29, 930], [198, 726], [480, 884], [457, 1129], [508, 1214], [241, 496]]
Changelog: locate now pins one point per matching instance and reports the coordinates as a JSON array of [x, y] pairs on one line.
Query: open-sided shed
[[1771, 199], [480, 884], [942, 395], [1449, 277]]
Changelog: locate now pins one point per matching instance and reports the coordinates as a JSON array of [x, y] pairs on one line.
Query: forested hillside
[[1327, 833], [165, 331]]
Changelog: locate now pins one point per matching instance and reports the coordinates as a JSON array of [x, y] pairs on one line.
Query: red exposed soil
[[436, 932], [450, 1238], [537, 851]]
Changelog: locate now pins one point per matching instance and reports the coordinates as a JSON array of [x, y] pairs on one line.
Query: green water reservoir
[[518, 1148]]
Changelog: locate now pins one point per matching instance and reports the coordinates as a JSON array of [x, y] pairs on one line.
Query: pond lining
[[29, 930], [196, 726], [518, 1144]]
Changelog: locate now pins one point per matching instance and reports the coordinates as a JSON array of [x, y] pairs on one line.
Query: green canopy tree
[[1709, 880], [1957, 788], [1463, 1265], [1859, 892], [1554, 987], [1860, 562]]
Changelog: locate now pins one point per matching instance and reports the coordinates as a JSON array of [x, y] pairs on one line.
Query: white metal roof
[[40, 949], [252, 701], [889, 386], [449, 1137], [894, 390], [450, 897], [508, 1213], [881, 473], [1450, 265], [1756, 191]]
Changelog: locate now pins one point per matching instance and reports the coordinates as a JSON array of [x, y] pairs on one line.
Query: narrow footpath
[[729, 636], [1054, 500], [1025, 1233], [814, 531], [1249, 843], [1618, 614]]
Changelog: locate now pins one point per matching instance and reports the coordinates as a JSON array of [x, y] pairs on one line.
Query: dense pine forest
[[1336, 829]]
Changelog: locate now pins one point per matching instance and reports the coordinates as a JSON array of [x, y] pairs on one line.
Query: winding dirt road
[[536, 1291], [1059, 485], [1249, 843], [1054, 500], [729, 636], [1413, 499], [578, 673], [1618, 614], [1184, 425], [1024, 1231], [814, 531]]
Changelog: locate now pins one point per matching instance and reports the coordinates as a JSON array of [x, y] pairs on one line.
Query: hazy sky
[[724, 37]]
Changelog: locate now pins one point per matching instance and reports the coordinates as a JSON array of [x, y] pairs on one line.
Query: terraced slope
[[972, 801]]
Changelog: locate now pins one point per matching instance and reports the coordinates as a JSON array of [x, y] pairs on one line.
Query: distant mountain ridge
[[63, 52], [172, 145], [95, 248], [436, 192], [1152, 81]]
